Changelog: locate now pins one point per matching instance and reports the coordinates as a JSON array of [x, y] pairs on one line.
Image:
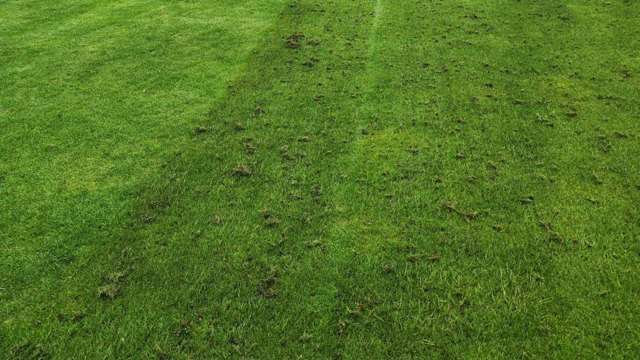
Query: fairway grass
[[319, 179]]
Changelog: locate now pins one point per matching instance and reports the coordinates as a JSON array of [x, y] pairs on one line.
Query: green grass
[[319, 179]]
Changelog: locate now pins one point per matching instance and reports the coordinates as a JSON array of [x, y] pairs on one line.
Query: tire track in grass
[[369, 246]]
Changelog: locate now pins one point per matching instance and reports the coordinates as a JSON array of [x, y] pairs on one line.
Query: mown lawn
[[276, 179]]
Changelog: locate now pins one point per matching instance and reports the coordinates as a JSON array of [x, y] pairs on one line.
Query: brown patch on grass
[[553, 234], [466, 215], [242, 171], [267, 287], [270, 219], [111, 285], [217, 220], [108, 292], [200, 130], [293, 41]]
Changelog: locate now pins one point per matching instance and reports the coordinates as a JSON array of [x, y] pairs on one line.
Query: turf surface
[[318, 179]]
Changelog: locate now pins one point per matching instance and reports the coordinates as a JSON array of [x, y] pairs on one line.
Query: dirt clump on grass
[[294, 40], [242, 171]]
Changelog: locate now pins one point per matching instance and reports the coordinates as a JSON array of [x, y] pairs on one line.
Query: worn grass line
[[377, 18]]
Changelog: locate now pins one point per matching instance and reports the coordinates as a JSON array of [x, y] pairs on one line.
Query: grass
[[318, 179]]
